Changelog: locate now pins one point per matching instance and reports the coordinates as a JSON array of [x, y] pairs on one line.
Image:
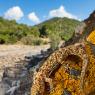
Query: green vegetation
[[31, 40], [55, 40], [65, 27], [11, 32]]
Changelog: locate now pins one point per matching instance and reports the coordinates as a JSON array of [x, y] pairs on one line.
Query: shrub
[[31, 40], [55, 40]]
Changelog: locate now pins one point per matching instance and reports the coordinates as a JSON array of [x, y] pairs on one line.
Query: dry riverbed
[[11, 54], [15, 79]]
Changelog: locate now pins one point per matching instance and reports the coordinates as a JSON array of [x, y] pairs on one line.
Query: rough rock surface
[[73, 60]]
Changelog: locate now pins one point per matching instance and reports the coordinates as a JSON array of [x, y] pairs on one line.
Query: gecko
[[57, 58]]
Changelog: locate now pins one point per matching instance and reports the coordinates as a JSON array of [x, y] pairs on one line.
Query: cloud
[[61, 12], [14, 13], [33, 17]]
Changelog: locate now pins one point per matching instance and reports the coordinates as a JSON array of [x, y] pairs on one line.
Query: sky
[[32, 12]]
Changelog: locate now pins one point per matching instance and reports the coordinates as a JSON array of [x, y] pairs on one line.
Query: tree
[[43, 31]]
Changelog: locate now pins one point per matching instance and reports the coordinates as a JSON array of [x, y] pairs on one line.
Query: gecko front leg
[[49, 80]]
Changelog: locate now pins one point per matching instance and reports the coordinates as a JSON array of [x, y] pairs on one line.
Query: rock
[[1, 74], [15, 78], [33, 61], [3, 87]]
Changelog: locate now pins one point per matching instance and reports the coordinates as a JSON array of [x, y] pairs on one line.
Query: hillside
[[11, 32], [65, 27]]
